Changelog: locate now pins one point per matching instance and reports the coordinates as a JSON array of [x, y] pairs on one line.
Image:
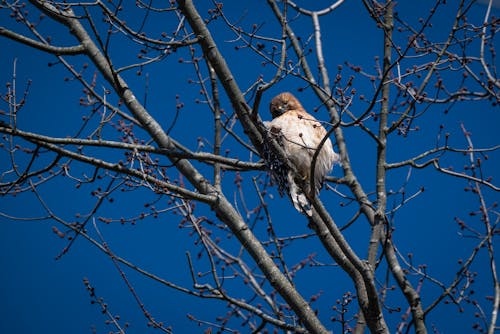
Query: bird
[[300, 135]]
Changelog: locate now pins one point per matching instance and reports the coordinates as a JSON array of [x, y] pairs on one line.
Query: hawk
[[300, 134]]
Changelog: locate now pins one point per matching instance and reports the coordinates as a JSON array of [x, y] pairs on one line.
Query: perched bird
[[300, 134]]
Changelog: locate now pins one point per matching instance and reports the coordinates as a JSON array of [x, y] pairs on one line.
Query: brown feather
[[300, 135]]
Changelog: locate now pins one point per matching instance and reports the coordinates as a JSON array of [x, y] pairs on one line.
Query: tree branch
[[56, 50]]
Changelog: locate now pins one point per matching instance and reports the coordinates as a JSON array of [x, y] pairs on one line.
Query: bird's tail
[[299, 199]]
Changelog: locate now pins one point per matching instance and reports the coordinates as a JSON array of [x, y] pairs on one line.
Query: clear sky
[[43, 295]]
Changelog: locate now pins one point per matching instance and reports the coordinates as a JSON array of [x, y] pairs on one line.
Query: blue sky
[[42, 294]]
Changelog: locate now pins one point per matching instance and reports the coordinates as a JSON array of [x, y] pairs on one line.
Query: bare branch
[[56, 50]]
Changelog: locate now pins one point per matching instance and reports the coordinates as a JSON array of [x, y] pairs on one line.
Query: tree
[[172, 99]]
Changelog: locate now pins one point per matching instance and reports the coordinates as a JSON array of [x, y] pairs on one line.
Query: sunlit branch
[[360, 272], [475, 165], [439, 150], [431, 70], [199, 156], [436, 165], [142, 38], [57, 50], [486, 69], [384, 75], [120, 168], [320, 12]]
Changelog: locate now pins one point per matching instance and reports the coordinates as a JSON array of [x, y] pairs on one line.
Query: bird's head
[[282, 103]]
